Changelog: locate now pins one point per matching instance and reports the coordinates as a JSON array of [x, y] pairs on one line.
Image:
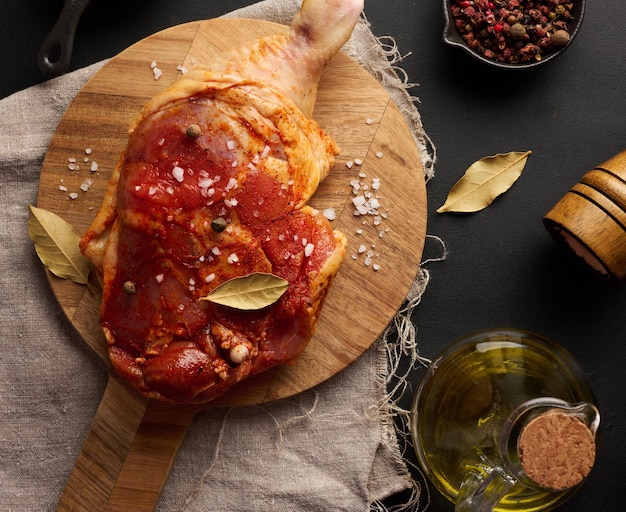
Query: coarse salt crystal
[[71, 160], [182, 69], [266, 151], [157, 73], [85, 185], [159, 278], [308, 250], [358, 161], [349, 164], [216, 251], [178, 173], [209, 278], [88, 151], [153, 190], [359, 200], [73, 196], [369, 121], [376, 267], [230, 144], [330, 214], [94, 166], [62, 188], [379, 154], [362, 249], [232, 183], [233, 258]]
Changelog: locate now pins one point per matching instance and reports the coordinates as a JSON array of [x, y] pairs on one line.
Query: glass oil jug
[[477, 402]]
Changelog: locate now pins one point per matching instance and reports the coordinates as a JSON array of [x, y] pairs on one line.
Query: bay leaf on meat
[[249, 292], [483, 181], [56, 244]]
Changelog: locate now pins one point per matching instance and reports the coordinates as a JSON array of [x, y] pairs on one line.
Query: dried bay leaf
[[483, 181], [250, 292], [56, 244]]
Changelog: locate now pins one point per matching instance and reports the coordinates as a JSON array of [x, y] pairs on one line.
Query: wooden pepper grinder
[[590, 219]]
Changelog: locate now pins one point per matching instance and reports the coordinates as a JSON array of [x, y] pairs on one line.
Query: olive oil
[[467, 395]]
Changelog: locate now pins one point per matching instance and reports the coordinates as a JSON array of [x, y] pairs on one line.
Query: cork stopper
[[557, 451]]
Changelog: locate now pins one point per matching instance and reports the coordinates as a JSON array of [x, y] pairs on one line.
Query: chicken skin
[[214, 185]]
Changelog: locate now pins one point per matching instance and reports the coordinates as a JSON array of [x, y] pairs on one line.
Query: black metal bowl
[[453, 37]]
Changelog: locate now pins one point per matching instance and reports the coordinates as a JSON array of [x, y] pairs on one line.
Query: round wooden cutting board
[[383, 257]]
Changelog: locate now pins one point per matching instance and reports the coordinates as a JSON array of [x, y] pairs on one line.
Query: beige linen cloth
[[331, 448]]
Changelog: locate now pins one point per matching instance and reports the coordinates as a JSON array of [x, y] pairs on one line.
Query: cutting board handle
[[127, 454]]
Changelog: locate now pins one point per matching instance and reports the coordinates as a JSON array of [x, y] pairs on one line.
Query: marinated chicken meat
[[213, 185]]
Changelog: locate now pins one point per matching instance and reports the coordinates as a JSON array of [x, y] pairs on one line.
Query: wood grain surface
[[133, 441]]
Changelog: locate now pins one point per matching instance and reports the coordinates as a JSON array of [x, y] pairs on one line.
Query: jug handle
[[481, 493]]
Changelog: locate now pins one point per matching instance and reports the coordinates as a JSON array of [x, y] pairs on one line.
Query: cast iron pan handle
[[56, 51]]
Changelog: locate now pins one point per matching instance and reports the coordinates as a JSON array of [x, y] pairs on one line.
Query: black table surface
[[502, 267]]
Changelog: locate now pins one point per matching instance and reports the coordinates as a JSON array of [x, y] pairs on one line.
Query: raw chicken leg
[[213, 185]]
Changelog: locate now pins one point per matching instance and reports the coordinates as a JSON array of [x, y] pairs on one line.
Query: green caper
[[218, 225]]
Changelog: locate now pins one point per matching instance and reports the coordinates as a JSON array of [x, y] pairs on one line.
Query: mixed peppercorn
[[513, 31]]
